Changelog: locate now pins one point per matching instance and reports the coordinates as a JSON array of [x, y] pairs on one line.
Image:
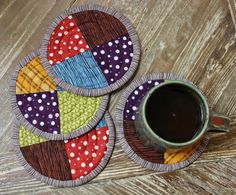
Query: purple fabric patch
[[41, 110], [135, 98], [114, 57]]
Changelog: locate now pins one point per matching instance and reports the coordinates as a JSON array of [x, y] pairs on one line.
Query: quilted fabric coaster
[[65, 163], [49, 110], [90, 50], [129, 140]]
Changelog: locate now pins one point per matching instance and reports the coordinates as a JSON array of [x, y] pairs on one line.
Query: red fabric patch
[[66, 41], [86, 152]]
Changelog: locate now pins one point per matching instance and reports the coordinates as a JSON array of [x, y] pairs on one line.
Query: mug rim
[[202, 130]]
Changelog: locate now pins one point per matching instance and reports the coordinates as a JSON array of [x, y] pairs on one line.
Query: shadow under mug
[[209, 120]]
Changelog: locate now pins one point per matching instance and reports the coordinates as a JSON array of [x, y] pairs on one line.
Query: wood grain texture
[[195, 38], [232, 8]]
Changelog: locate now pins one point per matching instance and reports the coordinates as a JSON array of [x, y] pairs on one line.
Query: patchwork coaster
[[90, 50], [64, 163], [129, 140], [48, 110]]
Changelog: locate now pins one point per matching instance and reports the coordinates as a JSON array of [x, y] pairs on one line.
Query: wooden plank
[[4, 6], [232, 8], [206, 178]]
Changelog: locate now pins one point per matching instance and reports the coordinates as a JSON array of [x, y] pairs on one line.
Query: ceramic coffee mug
[[175, 115]]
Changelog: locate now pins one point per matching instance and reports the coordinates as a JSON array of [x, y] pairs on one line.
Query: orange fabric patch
[[33, 78], [171, 157]]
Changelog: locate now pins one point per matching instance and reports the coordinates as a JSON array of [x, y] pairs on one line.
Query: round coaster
[[129, 140], [90, 50], [64, 163], [48, 110]]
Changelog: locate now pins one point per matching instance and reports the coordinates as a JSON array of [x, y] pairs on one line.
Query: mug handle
[[218, 123]]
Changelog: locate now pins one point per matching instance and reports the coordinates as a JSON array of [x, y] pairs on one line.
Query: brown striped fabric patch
[[146, 153], [49, 158], [99, 27]]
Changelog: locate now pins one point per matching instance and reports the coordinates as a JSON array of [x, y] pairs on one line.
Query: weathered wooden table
[[195, 38]]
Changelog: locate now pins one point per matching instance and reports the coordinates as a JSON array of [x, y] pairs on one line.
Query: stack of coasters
[[146, 156], [47, 109], [61, 138], [63, 134]]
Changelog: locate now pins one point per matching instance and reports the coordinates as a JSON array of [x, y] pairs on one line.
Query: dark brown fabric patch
[[49, 159], [146, 153], [99, 27]]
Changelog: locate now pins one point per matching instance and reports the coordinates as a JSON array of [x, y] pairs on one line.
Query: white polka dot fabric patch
[[65, 163], [91, 50]]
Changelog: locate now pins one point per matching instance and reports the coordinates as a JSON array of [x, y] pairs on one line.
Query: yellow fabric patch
[[76, 111], [175, 157], [32, 78], [26, 138]]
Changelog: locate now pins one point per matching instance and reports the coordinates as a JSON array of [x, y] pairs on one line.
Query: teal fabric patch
[[81, 71], [60, 88], [102, 123]]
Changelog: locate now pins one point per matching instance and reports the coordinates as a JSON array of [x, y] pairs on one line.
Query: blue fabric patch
[[81, 71], [60, 88], [102, 123]]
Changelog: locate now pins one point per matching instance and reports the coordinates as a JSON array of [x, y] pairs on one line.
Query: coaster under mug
[[147, 156], [65, 163], [47, 109], [90, 50]]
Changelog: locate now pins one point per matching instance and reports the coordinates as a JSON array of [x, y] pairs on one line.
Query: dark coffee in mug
[[174, 113]]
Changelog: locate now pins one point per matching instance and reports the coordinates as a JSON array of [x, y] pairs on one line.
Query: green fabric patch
[[26, 138], [76, 111]]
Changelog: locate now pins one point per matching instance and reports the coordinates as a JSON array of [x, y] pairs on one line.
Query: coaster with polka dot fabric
[[47, 109], [90, 50], [146, 156], [65, 163]]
